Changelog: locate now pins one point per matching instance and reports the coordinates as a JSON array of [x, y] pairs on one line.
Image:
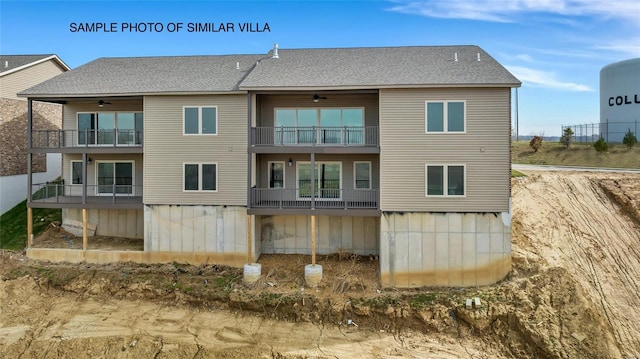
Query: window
[[328, 179], [319, 125], [76, 172], [445, 180], [362, 175], [114, 177], [445, 116], [276, 174], [200, 120], [201, 177], [103, 128]]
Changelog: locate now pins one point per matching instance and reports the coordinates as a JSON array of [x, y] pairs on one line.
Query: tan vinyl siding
[[71, 109], [484, 148], [290, 172], [167, 149], [268, 103], [23, 79]]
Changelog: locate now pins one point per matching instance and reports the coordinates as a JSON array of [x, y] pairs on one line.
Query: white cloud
[[546, 79], [505, 10], [524, 57], [630, 46]]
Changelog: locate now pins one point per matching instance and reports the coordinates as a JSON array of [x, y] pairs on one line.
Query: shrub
[[600, 145], [630, 139], [536, 143], [567, 137]]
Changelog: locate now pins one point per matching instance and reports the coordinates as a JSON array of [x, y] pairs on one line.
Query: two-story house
[[401, 152]]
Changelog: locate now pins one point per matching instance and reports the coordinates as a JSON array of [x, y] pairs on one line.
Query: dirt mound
[[573, 293]]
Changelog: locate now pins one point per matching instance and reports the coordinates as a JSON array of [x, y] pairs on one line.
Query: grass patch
[[515, 173], [579, 154], [13, 224]]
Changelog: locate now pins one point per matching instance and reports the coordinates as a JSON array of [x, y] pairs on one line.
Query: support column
[[249, 155], [29, 227], [29, 146], [249, 241], [313, 240], [313, 180], [84, 178], [85, 237]]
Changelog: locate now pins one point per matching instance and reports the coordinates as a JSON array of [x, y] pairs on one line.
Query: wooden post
[[249, 235], [313, 240], [29, 227], [85, 237]]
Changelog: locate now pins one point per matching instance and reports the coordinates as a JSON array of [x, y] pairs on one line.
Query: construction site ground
[[574, 292]]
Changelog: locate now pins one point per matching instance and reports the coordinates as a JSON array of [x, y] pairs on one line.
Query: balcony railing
[[47, 139], [315, 136], [68, 194], [324, 198]]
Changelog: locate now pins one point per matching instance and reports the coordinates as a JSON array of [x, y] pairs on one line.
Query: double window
[[445, 180], [200, 120], [445, 116], [201, 177], [114, 177], [319, 126], [109, 128]]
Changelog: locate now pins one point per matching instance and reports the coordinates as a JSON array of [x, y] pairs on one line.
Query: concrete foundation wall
[[214, 234], [292, 234], [126, 223], [444, 249]]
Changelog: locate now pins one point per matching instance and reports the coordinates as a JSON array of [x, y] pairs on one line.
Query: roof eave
[[52, 57], [131, 94], [369, 87]]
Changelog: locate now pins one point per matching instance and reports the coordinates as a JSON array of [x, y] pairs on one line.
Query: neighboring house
[[17, 73], [401, 152]]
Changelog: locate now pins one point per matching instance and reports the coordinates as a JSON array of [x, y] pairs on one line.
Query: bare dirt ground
[[573, 293]]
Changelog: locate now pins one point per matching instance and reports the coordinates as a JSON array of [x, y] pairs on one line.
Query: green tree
[[601, 145], [630, 139], [567, 137]]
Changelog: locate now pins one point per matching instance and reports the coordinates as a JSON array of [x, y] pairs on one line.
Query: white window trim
[[316, 178], [115, 123], [445, 112], [200, 177], [318, 109], [133, 177], [200, 121], [71, 172], [445, 180], [284, 177], [355, 177]]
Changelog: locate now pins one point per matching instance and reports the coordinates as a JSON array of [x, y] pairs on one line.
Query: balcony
[[59, 195], [325, 199], [358, 138], [126, 139]]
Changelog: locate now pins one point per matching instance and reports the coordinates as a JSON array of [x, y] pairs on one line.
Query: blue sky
[[555, 47]]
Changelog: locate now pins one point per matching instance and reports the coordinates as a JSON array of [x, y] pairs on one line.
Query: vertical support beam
[[84, 178], [249, 241], [29, 146], [249, 156], [313, 181], [29, 227], [85, 236], [313, 240]]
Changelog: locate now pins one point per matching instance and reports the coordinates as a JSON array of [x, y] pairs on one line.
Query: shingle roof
[[143, 75], [15, 61], [383, 66], [295, 68]]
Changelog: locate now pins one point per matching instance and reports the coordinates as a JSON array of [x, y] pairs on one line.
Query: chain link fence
[[611, 131]]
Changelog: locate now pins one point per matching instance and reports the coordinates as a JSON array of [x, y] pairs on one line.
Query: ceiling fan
[[101, 103], [317, 98]]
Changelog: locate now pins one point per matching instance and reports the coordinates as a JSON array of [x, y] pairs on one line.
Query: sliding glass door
[[114, 178], [327, 183]]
